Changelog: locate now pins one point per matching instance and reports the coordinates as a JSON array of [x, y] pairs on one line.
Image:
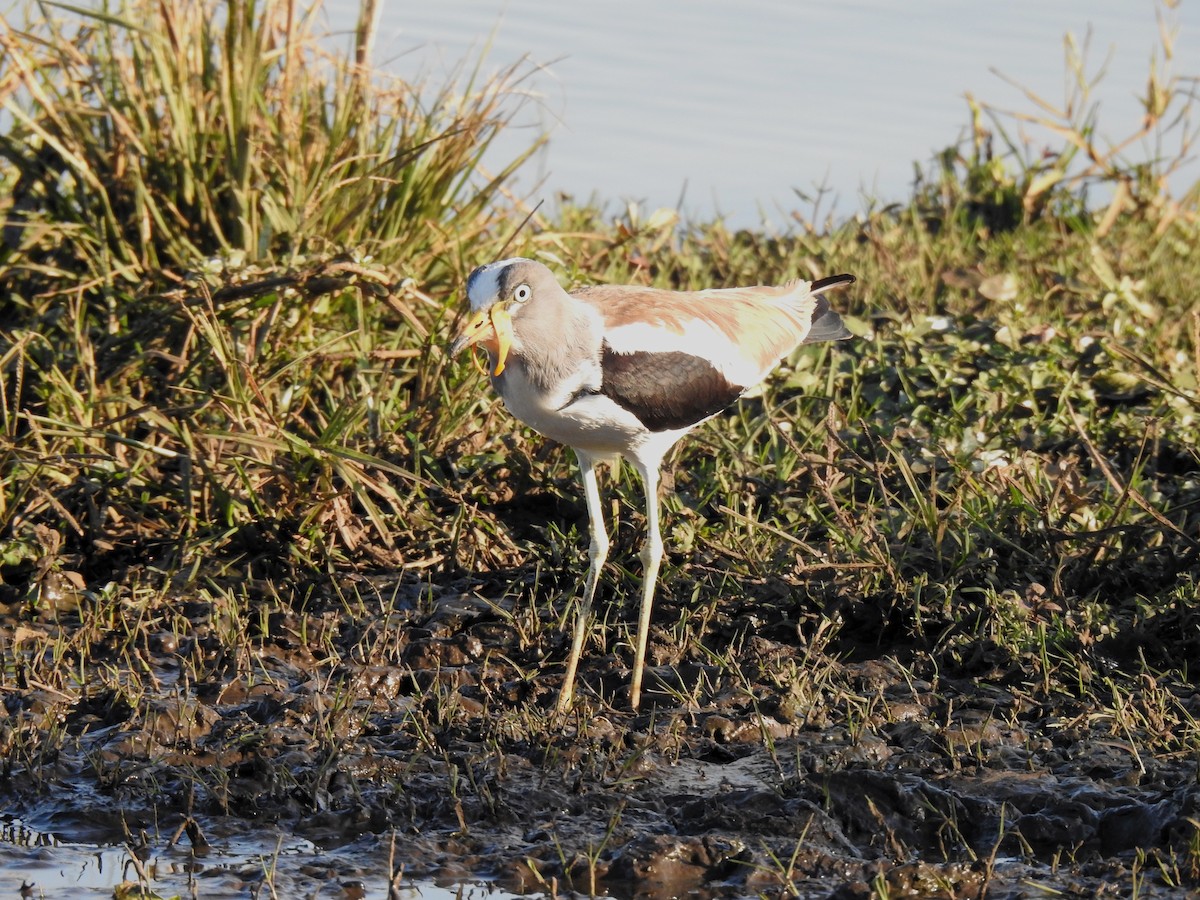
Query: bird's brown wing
[[666, 390]]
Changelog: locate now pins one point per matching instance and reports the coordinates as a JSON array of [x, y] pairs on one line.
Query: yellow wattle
[[503, 331]]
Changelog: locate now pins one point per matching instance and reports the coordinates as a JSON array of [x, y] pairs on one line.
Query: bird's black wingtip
[[825, 284]]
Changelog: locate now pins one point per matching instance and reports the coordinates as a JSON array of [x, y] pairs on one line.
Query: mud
[[413, 742]]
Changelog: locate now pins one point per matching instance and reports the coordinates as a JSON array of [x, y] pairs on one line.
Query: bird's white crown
[[483, 285]]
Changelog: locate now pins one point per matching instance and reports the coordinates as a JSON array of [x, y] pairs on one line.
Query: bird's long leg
[[597, 553], [652, 553]]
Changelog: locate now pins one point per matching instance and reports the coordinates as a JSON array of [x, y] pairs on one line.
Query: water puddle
[[255, 863]]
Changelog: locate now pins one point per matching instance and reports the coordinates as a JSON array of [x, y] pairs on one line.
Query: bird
[[625, 371]]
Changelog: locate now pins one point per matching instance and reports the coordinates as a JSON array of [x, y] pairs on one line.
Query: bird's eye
[[522, 293]]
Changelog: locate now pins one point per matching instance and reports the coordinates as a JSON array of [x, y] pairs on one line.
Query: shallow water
[[244, 862], [733, 106]]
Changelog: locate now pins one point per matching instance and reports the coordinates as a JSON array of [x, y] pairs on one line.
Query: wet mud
[[414, 738]]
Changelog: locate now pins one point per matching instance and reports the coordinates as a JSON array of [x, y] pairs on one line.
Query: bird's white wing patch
[[698, 338]]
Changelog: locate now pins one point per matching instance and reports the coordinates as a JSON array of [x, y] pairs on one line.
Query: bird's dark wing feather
[[666, 390]]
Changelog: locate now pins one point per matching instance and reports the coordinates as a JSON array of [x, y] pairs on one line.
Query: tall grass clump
[[147, 136], [218, 234]]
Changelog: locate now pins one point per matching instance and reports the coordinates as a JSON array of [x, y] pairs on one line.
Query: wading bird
[[616, 371]]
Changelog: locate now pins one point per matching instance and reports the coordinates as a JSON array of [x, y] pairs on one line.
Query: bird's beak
[[491, 327]]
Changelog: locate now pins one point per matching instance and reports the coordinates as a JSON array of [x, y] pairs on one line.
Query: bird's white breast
[[573, 415]]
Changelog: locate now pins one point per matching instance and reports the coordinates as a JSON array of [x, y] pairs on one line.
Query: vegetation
[[229, 263]]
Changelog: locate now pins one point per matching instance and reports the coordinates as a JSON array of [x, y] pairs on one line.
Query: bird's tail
[[827, 325]]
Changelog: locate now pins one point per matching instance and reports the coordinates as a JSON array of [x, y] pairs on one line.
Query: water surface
[[736, 106]]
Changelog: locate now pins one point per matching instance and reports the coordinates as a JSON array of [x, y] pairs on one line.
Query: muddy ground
[[416, 732]]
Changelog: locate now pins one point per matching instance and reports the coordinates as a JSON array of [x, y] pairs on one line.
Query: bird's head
[[500, 293]]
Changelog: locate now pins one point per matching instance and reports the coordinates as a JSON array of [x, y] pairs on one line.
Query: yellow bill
[[491, 327]]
